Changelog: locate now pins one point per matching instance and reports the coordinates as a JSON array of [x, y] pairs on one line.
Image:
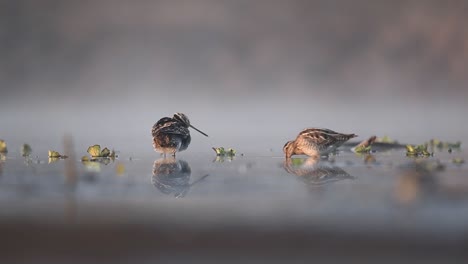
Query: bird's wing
[[317, 137], [328, 134], [174, 128]]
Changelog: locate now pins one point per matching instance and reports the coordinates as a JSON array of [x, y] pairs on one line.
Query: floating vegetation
[[362, 149], [219, 151], [98, 157], [55, 156], [231, 152], [458, 161], [222, 152], [3, 146], [417, 151], [386, 139], [102, 160], [441, 145], [26, 150], [365, 146], [96, 152]]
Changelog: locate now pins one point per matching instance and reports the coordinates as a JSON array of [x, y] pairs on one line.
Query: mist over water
[[250, 126], [249, 74]]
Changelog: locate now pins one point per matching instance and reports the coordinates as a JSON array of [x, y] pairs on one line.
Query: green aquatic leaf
[[444, 145], [231, 152], [26, 150], [455, 145], [103, 160], [219, 151], [410, 149], [417, 151], [94, 151], [362, 149], [458, 161], [85, 158], [54, 154], [105, 153], [3, 146]]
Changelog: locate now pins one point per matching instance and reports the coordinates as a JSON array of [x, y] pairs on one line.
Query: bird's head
[[289, 148], [182, 118]]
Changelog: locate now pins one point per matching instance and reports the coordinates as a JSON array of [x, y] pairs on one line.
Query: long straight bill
[[199, 131]]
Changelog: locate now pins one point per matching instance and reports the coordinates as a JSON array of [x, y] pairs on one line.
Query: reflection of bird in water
[[172, 176], [313, 173], [417, 181], [171, 135], [315, 142]]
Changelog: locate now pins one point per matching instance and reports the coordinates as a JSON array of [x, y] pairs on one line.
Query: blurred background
[[244, 71]]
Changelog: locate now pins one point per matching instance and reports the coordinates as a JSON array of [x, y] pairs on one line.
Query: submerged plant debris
[[417, 151], [458, 161], [219, 151], [26, 150], [3, 146]]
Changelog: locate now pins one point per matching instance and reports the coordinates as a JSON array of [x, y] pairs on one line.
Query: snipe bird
[[171, 135], [315, 142]]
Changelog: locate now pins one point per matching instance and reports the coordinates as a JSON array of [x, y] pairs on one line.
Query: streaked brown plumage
[[315, 142], [171, 135]]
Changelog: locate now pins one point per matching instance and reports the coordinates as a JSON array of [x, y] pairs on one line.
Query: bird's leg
[[173, 154]]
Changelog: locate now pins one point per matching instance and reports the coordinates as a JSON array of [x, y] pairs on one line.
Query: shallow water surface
[[384, 195]]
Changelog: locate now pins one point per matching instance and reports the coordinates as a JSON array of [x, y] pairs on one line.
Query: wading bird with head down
[[315, 142], [171, 135]]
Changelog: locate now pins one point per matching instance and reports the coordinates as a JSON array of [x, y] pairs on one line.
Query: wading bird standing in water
[[171, 135], [315, 142]]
